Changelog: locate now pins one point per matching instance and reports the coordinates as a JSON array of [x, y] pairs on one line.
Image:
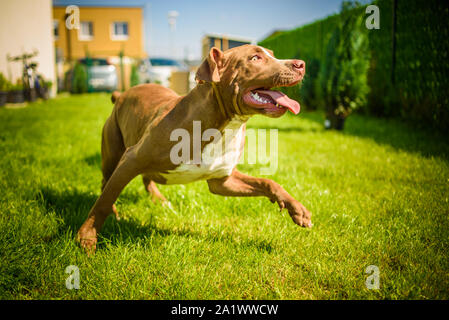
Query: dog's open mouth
[[271, 101]]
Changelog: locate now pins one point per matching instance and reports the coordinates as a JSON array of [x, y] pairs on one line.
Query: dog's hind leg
[[153, 191], [112, 149]]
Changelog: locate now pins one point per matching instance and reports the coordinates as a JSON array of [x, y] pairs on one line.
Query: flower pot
[[43, 92], [3, 98], [339, 123], [30, 95], [16, 96], [335, 122]]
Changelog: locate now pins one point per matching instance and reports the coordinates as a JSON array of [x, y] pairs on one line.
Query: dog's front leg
[[126, 170], [242, 185]]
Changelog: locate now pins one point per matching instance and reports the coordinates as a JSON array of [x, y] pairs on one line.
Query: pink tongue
[[282, 100]]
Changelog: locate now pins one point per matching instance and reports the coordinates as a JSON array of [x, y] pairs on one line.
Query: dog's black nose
[[299, 66]]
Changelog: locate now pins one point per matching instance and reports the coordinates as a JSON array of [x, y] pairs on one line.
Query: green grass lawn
[[379, 194]]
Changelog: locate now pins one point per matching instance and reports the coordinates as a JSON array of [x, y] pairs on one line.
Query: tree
[[79, 82], [345, 66], [134, 79]]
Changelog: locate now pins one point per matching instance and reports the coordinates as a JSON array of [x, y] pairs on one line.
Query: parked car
[[102, 75], [158, 70]]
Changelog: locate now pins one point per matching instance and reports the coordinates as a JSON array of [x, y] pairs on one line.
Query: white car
[[158, 70], [102, 74]]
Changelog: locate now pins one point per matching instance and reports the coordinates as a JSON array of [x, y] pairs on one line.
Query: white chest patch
[[218, 158]]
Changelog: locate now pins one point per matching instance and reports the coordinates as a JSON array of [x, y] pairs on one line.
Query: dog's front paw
[[87, 238], [299, 214]]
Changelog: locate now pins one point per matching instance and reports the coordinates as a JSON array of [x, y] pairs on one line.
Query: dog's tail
[[115, 96]]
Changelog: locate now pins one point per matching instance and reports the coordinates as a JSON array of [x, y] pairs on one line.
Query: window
[[233, 43], [86, 31], [119, 31], [56, 29]]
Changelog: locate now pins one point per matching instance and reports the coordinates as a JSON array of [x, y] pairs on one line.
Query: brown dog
[[137, 137]]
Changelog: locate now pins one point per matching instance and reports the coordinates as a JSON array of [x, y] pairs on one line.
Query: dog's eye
[[255, 58]]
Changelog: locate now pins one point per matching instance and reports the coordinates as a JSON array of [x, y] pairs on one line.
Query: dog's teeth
[[258, 98]]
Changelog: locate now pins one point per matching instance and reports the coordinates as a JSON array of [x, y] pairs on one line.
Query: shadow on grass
[[94, 160], [73, 207], [130, 229], [398, 134]]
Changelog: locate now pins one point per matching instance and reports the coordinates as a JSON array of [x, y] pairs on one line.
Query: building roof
[[230, 37], [99, 4]]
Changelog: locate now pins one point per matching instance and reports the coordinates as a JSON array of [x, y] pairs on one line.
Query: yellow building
[[103, 32]]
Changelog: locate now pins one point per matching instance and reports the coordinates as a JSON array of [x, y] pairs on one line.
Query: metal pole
[[122, 69], [172, 15]]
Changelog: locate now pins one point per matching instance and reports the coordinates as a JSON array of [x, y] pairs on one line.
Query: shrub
[[344, 70], [134, 76], [5, 85], [79, 79]]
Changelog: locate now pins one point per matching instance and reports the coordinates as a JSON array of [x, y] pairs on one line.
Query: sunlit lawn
[[378, 192]]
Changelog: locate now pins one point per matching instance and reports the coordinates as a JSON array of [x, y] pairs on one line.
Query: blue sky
[[246, 18]]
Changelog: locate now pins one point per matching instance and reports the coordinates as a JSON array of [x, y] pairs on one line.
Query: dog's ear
[[209, 69]]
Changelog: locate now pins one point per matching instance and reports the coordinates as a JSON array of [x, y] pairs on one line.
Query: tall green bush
[[345, 66], [79, 80], [134, 81]]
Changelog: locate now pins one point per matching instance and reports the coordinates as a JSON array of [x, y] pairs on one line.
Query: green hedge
[[422, 67], [343, 72], [421, 88]]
